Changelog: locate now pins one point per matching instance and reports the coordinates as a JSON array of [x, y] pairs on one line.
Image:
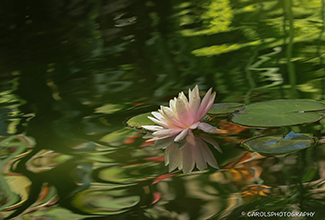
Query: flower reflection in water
[[185, 156]]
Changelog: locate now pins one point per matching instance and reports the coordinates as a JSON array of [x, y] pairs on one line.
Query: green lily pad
[[139, 120], [277, 144], [225, 108], [278, 113]]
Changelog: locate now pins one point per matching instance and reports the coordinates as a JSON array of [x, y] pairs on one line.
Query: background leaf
[[225, 108], [139, 120], [278, 113], [277, 144]]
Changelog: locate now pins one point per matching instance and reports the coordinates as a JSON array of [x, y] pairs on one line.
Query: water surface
[[72, 73]]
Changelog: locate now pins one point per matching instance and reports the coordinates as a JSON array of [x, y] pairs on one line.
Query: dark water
[[73, 72]]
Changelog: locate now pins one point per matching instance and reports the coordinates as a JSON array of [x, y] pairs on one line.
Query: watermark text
[[277, 214]]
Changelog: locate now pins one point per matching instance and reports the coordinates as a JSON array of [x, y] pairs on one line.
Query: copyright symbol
[[243, 213]]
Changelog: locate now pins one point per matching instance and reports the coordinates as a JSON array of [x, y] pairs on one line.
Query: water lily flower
[[182, 116]]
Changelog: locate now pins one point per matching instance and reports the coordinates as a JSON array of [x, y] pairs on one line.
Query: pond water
[[74, 72]]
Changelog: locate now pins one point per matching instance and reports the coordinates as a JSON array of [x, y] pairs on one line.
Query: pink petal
[[181, 135], [206, 104], [193, 126], [182, 112], [194, 103], [207, 128]]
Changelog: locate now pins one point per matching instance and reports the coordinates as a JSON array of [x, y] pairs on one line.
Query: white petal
[[181, 135], [148, 135], [194, 103], [163, 143], [190, 139], [208, 155], [211, 101], [212, 142], [194, 93], [157, 138], [188, 160], [174, 157], [199, 158], [157, 115], [206, 99], [172, 104], [182, 144], [167, 153], [166, 132], [162, 123], [206, 104], [170, 116], [208, 128], [183, 98], [182, 112], [168, 113], [180, 162], [152, 127]]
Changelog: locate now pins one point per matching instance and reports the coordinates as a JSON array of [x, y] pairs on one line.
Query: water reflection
[[186, 154], [72, 73]]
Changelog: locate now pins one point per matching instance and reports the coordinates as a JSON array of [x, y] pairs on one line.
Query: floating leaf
[[108, 108], [108, 199], [46, 160], [277, 144], [131, 173], [7, 196], [56, 212], [105, 201], [118, 137], [139, 120], [279, 113], [12, 146], [225, 108]]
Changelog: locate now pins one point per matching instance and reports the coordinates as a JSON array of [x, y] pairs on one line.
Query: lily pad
[[277, 144], [225, 108], [139, 120], [278, 113]]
